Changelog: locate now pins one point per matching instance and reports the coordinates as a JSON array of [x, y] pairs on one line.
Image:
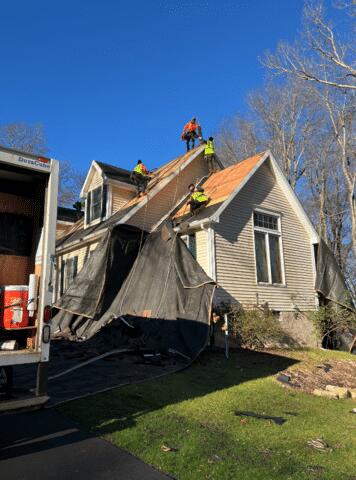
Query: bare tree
[[282, 118], [237, 140], [21, 136], [341, 109], [70, 184], [325, 195], [320, 55], [286, 121], [32, 139]]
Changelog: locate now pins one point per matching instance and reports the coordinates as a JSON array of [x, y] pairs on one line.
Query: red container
[[13, 306]]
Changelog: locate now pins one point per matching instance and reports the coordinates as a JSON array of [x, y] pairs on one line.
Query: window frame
[[69, 270], [98, 218], [186, 239], [104, 199], [267, 232]]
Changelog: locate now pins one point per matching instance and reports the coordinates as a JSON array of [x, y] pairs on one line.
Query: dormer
[[106, 189]]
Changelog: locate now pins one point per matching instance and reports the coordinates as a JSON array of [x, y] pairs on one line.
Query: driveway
[[45, 445]]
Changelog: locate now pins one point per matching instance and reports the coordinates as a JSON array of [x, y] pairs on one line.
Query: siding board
[[235, 256], [96, 180], [202, 249], [120, 197]]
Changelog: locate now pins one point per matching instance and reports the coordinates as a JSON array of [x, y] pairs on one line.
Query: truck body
[[28, 212]]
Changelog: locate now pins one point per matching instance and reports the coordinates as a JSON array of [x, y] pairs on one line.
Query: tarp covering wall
[[103, 274], [329, 278], [164, 304]]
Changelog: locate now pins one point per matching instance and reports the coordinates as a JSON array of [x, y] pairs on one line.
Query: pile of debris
[[333, 379]]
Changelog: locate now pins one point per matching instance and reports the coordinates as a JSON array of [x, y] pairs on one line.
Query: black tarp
[[330, 282], [162, 301]]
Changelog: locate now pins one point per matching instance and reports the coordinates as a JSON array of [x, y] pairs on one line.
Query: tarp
[[164, 304], [329, 280]]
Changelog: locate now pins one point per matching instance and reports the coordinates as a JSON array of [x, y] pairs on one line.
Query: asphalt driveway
[[45, 445]]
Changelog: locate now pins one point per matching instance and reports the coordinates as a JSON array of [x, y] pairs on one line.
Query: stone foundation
[[299, 328]]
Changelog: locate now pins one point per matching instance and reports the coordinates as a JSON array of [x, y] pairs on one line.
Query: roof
[[116, 173], [222, 187], [161, 177], [68, 214], [219, 186]]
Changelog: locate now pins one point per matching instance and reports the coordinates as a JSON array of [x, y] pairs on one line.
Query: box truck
[[28, 213]]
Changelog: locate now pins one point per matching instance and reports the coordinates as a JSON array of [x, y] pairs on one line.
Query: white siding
[[235, 255], [202, 249], [96, 180], [168, 197], [120, 196]]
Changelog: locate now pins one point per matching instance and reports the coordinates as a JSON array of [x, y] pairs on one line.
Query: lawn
[[193, 413]]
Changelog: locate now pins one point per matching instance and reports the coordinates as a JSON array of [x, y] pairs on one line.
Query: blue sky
[[116, 80]]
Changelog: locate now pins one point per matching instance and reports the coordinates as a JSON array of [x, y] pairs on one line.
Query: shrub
[[255, 328], [330, 321]]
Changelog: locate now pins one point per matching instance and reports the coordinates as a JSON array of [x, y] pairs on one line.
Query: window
[[268, 248], [265, 221], [191, 243], [69, 269], [95, 210], [96, 204]]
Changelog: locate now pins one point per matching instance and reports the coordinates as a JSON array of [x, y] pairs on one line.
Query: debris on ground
[[334, 379], [325, 366], [319, 444], [276, 420], [283, 378], [214, 459], [166, 448], [315, 468]]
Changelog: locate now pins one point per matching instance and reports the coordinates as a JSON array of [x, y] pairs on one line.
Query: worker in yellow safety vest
[[209, 154], [141, 177], [197, 198]]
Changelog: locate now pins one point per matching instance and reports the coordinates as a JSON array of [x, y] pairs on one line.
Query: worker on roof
[[141, 177], [197, 198], [191, 131], [209, 154]]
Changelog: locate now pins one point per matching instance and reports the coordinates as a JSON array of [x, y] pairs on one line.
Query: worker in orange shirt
[[191, 131]]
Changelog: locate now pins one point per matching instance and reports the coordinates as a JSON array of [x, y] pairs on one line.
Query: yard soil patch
[[341, 373]]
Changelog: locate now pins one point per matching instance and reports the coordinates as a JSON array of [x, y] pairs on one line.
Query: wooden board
[[14, 270]]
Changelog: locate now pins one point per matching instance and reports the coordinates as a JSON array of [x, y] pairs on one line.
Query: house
[[253, 238], [110, 199], [66, 218], [256, 241]]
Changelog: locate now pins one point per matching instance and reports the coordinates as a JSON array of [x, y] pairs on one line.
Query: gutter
[[196, 224]]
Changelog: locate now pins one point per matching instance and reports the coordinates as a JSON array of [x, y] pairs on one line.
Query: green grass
[[193, 412]]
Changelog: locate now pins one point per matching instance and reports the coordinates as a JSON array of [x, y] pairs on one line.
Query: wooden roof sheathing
[[219, 186], [77, 231]]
